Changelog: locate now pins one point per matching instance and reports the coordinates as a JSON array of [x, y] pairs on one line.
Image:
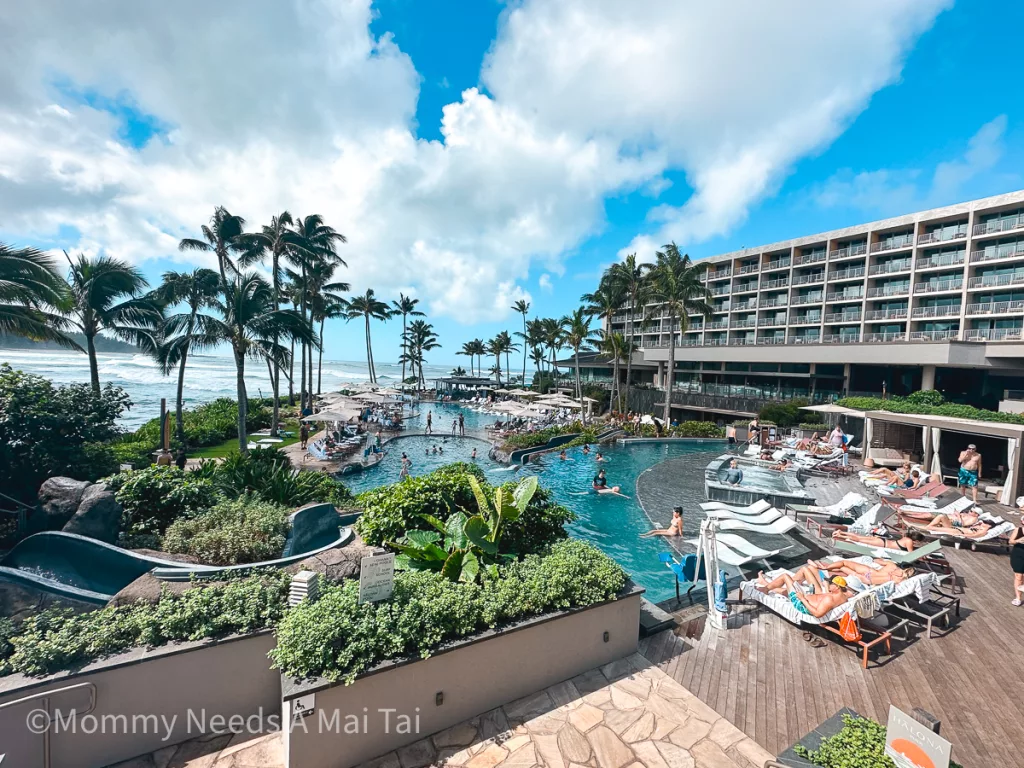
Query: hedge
[[243, 530], [337, 638], [860, 744], [916, 404]]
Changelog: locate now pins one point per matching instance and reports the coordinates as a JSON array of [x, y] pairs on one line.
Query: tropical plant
[[628, 279], [578, 336], [613, 346], [32, 296], [153, 498], [553, 337], [468, 350], [106, 295], [232, 532], [419, 339], [479, 349], [324, 304], [182, 332], [406, 307], [675, 284], [603, 304], [458, 371], [522, 307], [268, 474], [369, 308], [224, 237], [495, 347]]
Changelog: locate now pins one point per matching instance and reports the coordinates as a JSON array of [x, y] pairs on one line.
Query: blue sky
[[952, 109]]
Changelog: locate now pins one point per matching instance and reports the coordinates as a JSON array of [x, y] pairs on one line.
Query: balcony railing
[[896, 265], [745, 304], [859, 249], [995, 281], [777, 264], [745, 287], [811, 338], [845, 296], [843, 317], [952, 310], [848, 274], [805, 319], [942, 236], [933, 335], [812, 298], [721, 308], [740, 341], [939, 285], [893, 243], [782, 301], [717, 325], [886, 314], [995, 308], [809, 258], [819, 277], [771, 340], [999, 225], [768, 285], [1007, 251], [748, 269], [720, 274], [720, 290], [767, 321], [889, 336], [941, 260], [719, 342], [743, 324], [841, 338], [995, 334], [889, 290]]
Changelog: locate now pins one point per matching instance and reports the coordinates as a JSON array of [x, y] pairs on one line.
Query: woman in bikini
[[954, 520], [905, 543], [675, 528], [885, 571]]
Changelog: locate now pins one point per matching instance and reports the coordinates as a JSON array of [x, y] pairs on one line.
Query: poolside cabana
[[460, 383], [936, 441]]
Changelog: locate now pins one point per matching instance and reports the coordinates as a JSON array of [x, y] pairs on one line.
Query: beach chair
[[848, 503], [996, 536], [751, 509], [896, 555], [778, 527], [684, 570], [865, 524], [927, 491], [745, 548], [962, 504], [768, 516], [939, 606]]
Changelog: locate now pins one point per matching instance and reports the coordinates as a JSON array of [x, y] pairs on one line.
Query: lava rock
[[98, 515], [59, 498]]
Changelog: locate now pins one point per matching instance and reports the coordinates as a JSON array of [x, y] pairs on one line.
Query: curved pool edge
[[53, 587]]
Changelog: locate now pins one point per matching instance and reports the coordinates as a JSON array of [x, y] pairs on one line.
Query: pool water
[[419, 448]]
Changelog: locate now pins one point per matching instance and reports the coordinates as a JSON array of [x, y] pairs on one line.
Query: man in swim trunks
[[970, 471], [733, 475], [825, 596], [601, 484]]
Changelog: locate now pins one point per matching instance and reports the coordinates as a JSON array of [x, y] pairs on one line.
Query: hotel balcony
[[842, 317], [998, 225], [889, 290], [897, 265], [750, 287], [782, 301], [781, 282], [717, 325], [939, 286], [941, 260], [744, 305], [814, 298], [720, 274], [920, 313], [809, 279], [805, 320], [777, 264], [849, 251], [812, 338], [995, 281], [893, 243], [839, 296], [886, 314], [808, 258], [848, 274], [841, 338], [941, 237], [766, 322], [1008, 251], [741, 341], [996, 308], [716, 342], [771, 340], [748, 269], [719, 290], [891, 336], [934, 335], [743, 324], [995, 334]]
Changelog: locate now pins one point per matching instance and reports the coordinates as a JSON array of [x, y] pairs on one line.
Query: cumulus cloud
[[545, 283], [296, 104]]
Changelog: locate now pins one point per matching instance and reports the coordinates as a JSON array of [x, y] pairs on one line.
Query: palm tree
[[552, 335], [613, 346], [578, 336], [468, 350], [629, 280], [406, 307], [324, 303], [675, 285], [223, 237], [369, 308], [603, 304], [420, 338], [508, 346], [496, 348], [106, 294], [183, 332], [537, 357], [253, 327], [32, 293], [479, 349], [522, 307]]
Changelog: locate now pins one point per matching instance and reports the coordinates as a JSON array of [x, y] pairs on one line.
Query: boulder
[[98, 515], [147, 589], [338, 563], [59, 498]]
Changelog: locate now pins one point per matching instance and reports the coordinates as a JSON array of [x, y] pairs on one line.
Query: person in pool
[[599, 457], [586, 449], [601, 484], [564, 456], [734, 475], [473, 455], [406, 464], [675, 528]]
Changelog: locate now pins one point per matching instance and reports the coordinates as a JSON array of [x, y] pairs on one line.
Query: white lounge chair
[[730, 557], [960, 505], [742, 546], [768, 516], [844, 505], [778, 527], [751, 509]]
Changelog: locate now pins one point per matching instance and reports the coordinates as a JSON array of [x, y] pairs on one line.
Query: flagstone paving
[[627, 714]]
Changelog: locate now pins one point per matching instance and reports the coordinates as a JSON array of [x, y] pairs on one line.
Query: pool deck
[[773, 686]]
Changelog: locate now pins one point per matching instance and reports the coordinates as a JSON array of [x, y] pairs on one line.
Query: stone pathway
[[628, 714]]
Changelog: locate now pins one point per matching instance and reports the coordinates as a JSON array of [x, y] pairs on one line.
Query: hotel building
[[929, 300]]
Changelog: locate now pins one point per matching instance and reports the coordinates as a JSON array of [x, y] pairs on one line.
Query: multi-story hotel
[[929, 300]]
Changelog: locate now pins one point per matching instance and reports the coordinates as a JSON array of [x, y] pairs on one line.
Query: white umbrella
[[370, 397], [388, 391], [335, 415]]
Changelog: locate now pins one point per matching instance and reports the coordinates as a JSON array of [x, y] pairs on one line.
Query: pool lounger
[[997, 531], [960, 505], [846, 504], [896, 555], [751, 509], [742, 546], [778, 527], [768, 516]]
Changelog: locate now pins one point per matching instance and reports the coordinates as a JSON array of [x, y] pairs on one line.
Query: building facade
[[929, 300]]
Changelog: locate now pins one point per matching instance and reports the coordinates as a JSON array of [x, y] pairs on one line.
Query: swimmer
[[473, 455], [406, 464], [599, 457], [563, 456], [586, 449], [675, 528], [601, 485]]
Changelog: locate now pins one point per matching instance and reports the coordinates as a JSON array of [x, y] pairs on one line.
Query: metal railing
[[810, 338], [805, 319], [811, 298], [843, 317], [782, 301], [943, 236], [896, 265], [893, 243], [939, 285], [720, 290], [809, 258], [994, 281], [743, 324], [889, 290], [717, 325], [818, 277], [44, 698], [999, 225], [845, 296], [995, 308], [781, 282], [777, 264], [888, 336], [740, 341], [720, 274], [747, 304], [748, 269], [841, 338], [941, 260], [771, 321], [745, 288], [858, 249], [933, 335], [886, 314], [848, 274], [1006, 251], [995, 334], [771, 340], [952, 310], [715, 342]]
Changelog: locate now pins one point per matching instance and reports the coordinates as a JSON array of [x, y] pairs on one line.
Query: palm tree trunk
[[311, 368], [629, 359], [670, 374], [369, 351], [243, 401], [94, 368], [405, 351], [275, 372], [302, 385], [320, 360], [579, 388], [291, 375], [524, 350], [179, 417]]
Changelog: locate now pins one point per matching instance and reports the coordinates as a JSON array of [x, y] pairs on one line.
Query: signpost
[[911, 744], [376, 578]]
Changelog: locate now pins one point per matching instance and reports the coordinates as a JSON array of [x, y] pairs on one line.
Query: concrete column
[[661, 373], [927, 377], [846, 377]]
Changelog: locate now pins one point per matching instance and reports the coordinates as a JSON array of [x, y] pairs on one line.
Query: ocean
[[207, 377]]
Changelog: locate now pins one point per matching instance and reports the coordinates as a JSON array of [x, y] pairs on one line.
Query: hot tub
[[779, 488]]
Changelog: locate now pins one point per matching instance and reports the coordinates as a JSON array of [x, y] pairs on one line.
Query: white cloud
[[295, 104], [544, 281]]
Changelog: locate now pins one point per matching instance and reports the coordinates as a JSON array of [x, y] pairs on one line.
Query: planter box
[[138, 702], [460, 681]]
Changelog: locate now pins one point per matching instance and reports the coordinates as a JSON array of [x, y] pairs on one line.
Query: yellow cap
[[839, 581]]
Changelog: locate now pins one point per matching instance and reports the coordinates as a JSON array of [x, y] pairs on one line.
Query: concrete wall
[[227, 678], [473, 678]]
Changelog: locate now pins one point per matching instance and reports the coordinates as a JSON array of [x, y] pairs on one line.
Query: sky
[[477, 152]]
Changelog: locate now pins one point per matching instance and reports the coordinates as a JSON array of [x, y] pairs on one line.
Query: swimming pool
[[420, 450]]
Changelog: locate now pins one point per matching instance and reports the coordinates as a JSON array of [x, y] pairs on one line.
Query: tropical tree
[[107, 294], [369, 308], [614, 346], [675, 285], [522, 307], [629, 280], [578, 336], [508, 346], [458, 371], [406, 307], [603, 304], [479, 349], [32, 295], [468, 350], [185, 331], [253, 327], [420, 338], [324, 303], [553, 337], [224, 237], [496, 347]]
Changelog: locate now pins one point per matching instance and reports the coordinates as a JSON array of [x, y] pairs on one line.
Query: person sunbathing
[[881, 572], [890, 477], [675, 528], [825, 597], [955, 520], [904, 543], [978, 530]]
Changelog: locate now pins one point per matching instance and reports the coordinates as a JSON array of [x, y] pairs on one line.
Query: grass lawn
[[231, 446]]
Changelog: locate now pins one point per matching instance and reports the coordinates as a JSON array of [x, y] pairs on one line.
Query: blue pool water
[[424, 460]]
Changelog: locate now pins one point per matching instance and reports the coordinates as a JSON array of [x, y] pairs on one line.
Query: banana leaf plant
[[463, 546]]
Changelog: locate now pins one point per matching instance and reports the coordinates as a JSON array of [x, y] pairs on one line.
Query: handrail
[[29, 507], [44, 697]]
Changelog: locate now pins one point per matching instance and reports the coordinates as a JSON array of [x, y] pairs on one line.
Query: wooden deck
[[774, 686]]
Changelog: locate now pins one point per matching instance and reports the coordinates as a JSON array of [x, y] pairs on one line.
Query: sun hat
[[839, 581]]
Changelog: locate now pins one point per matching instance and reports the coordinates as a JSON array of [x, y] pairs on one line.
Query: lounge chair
[[751, 509], [926, 491], [863, 525], [849, 502], [896, 555], [992, 536], [778, 527], [962, 504], [768, 516], [742, 546]]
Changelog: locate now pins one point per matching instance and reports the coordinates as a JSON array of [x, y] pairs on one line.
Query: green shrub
[[390, 511], [785, 414], [209, 424], [243, 530], [155, 497], [930, 397], [949, 410], [860, 744], [541, 436], [55, 639], [338, 638], [268, 473], [697, 429], [811, 427], [127, 450]]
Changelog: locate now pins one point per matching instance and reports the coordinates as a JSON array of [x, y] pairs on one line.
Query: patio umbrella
[[333, 415], [391, 391], [370, 397]]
